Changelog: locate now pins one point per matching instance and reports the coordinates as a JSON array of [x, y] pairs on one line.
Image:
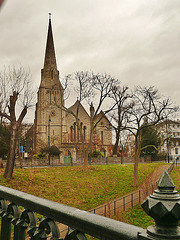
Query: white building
[[170, 130]]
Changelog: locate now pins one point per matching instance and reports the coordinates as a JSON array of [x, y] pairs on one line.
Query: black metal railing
[[118, 205], [21, 222], [25, 222], [55, 162]]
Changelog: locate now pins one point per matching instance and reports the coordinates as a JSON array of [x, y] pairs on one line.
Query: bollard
[[164, 207]]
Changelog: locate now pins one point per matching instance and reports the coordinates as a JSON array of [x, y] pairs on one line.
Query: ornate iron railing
[[163, 206]]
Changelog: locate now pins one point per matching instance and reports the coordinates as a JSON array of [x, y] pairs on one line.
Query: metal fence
[[119, 205], [56, 162], [122, 204]]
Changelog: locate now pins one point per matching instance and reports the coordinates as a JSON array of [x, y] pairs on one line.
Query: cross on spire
[[50, 16]]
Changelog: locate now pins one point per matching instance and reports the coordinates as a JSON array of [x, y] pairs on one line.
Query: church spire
[[50, 57]]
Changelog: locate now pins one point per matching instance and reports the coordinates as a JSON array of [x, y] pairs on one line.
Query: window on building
[[78, 133], [71, 133], [102, 136], [84, 132], [51, 74], [74, 132]]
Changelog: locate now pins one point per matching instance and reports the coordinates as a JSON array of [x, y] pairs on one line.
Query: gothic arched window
[[102, 137], [84, 132], [51, 74], [74, 132], [71, 134]]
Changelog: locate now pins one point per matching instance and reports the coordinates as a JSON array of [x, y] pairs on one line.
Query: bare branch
[[15, 89]]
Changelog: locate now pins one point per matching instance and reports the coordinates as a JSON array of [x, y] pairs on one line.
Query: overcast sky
[[136, 41]]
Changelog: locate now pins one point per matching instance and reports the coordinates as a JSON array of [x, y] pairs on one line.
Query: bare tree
[[119, 115], [149, 109], [94, 89], [15, 92]]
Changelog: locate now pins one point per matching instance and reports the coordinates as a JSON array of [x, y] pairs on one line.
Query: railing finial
[[165, 182], [164, 207]]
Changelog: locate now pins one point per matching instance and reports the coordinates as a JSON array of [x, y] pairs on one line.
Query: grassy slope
[[137, 216], [175, 175], [71, 186]]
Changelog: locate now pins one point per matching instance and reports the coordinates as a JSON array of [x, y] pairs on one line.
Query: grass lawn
[[175, 175], [73, 187], [137, 216]]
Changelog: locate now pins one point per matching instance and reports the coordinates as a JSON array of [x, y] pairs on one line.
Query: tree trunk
[[12, 152], [135, 181], [136, 158], [116, 144]]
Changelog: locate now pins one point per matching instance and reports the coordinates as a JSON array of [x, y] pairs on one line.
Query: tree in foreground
[[149, 109], [15, 92]]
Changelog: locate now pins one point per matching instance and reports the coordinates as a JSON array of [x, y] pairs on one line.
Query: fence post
[[139, 196], [105, 210], [164, 207], [124, 204], [152, 188], [131, 199], [114, 208]]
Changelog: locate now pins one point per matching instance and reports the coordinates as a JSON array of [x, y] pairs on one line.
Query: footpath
[[114, 207]]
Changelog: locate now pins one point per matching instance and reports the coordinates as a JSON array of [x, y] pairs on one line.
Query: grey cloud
[[136, 41]]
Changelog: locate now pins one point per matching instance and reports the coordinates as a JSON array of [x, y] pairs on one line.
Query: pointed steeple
[[50, 73], [50, 57]]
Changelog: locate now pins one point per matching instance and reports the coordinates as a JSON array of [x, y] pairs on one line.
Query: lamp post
[[167, 141], [121, 149], [49, 138], [168, 150]]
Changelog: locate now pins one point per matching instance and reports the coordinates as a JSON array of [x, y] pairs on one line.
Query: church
[[53, 126]]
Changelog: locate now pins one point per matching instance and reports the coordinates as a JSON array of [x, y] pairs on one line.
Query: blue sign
[[21, 150]]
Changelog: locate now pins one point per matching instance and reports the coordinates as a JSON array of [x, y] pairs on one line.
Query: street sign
[[21, 150]]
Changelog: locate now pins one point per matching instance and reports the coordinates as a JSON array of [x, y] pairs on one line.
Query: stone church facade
[[55, 127]]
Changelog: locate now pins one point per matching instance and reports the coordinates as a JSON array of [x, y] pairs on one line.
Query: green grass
[[73, 187], [175, 175], [137, 216]]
